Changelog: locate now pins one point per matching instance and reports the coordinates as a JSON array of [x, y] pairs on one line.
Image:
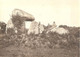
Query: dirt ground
[[13, 51]]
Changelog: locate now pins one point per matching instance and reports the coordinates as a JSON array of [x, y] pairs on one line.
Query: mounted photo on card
[[39, 28]]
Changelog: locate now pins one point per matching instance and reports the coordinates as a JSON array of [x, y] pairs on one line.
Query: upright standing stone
[[35, 28]]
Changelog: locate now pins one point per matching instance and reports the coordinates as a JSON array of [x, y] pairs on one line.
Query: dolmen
[[16, 24]]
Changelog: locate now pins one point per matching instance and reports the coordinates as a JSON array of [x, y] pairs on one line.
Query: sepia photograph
[[39, 28]]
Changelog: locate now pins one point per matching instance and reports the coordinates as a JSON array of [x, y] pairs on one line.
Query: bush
[[50, 40]]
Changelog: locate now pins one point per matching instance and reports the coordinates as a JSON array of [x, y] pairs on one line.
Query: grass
[[13, 51], [43, 45]]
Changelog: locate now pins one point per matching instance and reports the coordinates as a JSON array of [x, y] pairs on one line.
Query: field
[[43, 45], [39, 52]]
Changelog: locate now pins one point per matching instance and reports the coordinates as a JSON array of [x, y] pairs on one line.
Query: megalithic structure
[[18, 19]]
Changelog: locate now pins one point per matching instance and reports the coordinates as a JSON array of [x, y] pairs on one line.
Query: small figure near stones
[[2, 27]]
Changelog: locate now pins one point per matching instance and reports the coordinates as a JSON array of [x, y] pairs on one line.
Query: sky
[[63, 12]]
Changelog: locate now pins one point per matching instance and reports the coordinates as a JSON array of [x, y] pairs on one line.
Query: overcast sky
[[64, 12]]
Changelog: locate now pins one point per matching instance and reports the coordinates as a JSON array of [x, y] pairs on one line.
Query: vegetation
[[45, 44], [42, 44], [50, 40]]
